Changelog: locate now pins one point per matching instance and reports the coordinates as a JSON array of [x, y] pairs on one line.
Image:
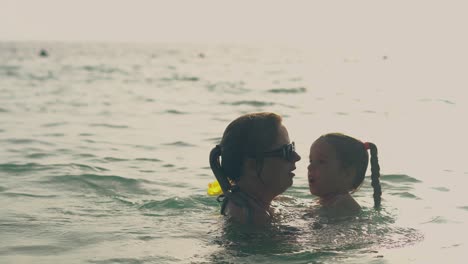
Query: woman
[[257, 164]]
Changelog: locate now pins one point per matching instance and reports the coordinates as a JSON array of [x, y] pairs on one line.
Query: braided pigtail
[[218, 171], [375, 169]]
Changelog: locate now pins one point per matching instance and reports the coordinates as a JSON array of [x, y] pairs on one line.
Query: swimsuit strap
[[238, 200]]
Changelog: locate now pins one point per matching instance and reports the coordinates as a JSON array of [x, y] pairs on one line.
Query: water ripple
[[399, 178], [26, 141], [103, 69], [250, 103], [11, 194], [288, 90], [147, 159], [183, 78], [193, 202], [12, 168], [108, 125], [39, 155], [175, 112], [228, 87], [55, 124], [109, 185], [45, 250], [180, 144]]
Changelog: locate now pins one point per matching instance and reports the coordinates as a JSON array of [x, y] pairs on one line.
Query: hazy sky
[[324, 23]]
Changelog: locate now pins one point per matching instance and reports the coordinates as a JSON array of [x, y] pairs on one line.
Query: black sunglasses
[[286, 152]]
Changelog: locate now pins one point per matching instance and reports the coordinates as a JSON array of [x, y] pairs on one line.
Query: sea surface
[[104, 151]]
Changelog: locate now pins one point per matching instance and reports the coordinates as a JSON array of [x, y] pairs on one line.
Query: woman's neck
[[260, 201]]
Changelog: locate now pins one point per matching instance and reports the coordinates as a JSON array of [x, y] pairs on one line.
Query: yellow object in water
[[214, 188]]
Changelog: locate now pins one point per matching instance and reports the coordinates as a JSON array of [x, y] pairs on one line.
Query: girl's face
[[325, 173]]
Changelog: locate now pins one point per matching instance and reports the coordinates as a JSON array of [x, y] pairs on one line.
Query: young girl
[[337, 167]]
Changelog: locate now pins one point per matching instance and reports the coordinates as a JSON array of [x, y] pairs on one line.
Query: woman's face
[[277, 172], [325, 172]]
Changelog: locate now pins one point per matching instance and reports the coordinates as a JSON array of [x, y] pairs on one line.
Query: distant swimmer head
[[43, 53]]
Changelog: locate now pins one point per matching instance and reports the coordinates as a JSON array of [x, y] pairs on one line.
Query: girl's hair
[[246, 136], [353, 153]]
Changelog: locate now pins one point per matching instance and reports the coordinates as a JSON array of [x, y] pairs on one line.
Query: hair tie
[[366, 145], [220, 148]]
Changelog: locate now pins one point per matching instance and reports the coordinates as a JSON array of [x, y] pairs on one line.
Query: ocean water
[[104, 155]]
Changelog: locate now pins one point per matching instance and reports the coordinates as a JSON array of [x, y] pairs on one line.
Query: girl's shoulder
[[343, 205]]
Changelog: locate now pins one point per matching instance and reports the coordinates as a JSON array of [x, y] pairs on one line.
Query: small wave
[[437, 220], [38, 250], [214, 139], [85, 155], [9, 67], [463, 207], [19, 168], [11, 194], [3, 110], [446, 101], [399, 178], [441, 189], [109, 185], [176, 112], [27, 167], [87, 167], [183, 78], [147, 159], [108, 125], [54, 124], [103, 69], [54, 135], [251, 103], [155, 259], [288, 90], [144, 147], [180, 144], [196, 202], [38, 155], [228, 87], [405, 195], [171, 203], [341, 113], [26, 141], [45, 77], [112, 159]]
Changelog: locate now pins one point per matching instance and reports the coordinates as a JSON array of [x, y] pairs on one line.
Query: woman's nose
[[297, 157]]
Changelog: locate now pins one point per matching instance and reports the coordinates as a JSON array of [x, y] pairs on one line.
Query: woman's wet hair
[[352, 153], [247, 136]]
